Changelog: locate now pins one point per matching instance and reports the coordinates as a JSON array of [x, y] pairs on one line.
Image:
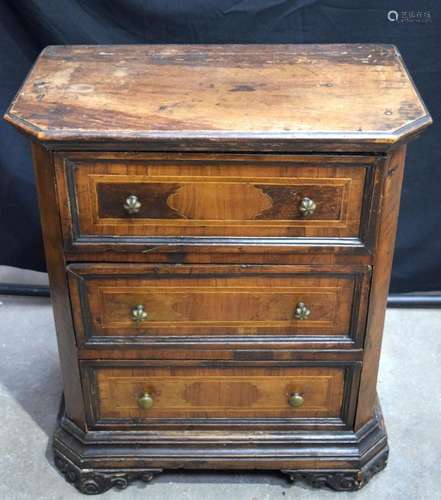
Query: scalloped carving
[[340, 480], [92, 482]]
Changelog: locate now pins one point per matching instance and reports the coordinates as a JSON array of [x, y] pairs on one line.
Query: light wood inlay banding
[[189, 392]]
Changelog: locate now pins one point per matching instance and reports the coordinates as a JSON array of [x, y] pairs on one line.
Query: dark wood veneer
[[220, 163], [343, 375], [244, 301], [56, 266], [264, 215]]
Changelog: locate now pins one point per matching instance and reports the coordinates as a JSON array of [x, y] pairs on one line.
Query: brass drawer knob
[[296, 400], [132, 205], [138, 313], [145, 401], [302, 312], [307, 206]]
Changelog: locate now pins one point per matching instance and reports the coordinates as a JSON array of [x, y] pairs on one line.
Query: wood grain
[[220, 144], [53, 246], [389, 209], [187, 392], [220, 301], [212, 195], [351, 93]]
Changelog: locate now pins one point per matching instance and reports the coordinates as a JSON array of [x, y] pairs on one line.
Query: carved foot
[[93, 482], [340, 480]]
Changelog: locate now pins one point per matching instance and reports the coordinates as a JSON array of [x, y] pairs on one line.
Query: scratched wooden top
[[199, 95]]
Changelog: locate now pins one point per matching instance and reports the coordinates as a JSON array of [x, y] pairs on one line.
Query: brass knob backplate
[[296, 400], [145, 401], [139, 314], [132, 205], [307, 206], [302, 312]]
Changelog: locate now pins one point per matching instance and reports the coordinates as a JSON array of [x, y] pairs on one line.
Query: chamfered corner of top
[[16, 118], [416, 125], [412, 129], [24, 126]]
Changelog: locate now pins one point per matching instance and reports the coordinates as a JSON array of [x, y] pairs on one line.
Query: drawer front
[[134, 199], [141, 394], [136, 304]]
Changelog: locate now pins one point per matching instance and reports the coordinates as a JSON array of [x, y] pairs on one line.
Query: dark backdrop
[[27, 26]]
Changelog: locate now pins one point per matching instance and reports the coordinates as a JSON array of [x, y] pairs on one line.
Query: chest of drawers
[[219, 225]]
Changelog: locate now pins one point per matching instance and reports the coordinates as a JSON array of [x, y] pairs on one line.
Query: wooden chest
[[219, 225]]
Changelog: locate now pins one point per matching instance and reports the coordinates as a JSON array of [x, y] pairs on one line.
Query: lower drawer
[[149, 393]]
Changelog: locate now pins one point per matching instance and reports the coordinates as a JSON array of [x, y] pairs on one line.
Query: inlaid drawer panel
[[144, 393], [128, 199], [136, 304]]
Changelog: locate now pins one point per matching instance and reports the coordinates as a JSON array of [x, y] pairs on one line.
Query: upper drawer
[[130, 200]]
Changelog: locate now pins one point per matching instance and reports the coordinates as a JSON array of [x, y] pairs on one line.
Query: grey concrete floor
[[30, 389]]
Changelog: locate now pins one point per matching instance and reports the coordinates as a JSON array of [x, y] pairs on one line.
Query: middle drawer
[[135, 305]]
